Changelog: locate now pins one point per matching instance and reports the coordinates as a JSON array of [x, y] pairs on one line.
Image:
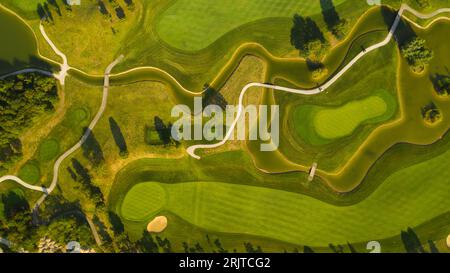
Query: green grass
[[76, 116], [342, 121], [30, 172], [142, 201], [194, 24], [406, 199], [318, 124], [48, 150]]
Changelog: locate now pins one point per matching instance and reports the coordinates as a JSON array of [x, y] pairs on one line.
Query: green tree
[[416, 52]]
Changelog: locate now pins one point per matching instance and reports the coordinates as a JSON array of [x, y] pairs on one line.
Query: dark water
[[18, 47]]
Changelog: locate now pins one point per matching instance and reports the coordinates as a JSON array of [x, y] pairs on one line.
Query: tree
[[23, 98], [441, 84], [307, 37], [431, 113], [147, 244], [416, 53], [335, 24]]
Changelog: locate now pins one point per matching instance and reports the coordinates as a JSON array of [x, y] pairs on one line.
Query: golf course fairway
[[298, 218]]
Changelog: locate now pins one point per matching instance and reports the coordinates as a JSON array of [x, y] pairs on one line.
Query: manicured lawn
[[194, 24], [48, 150], [328, 123], [300, 219], [342, 121], [142, 201]]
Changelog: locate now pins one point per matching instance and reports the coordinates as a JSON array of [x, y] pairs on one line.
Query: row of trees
[[23, 99]]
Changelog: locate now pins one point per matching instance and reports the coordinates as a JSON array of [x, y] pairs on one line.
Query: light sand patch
[[448, 241], [158, 224]]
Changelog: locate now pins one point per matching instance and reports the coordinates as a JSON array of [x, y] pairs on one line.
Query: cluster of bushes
[[23, 98], [416, 53], [421, 3], [431, 113], [441, 84]]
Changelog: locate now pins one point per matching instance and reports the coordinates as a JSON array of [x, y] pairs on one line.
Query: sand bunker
[[448, 241], [158, 224]]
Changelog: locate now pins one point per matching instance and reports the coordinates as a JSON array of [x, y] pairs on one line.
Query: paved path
[[191, 150], [23, 183], [64, 67]]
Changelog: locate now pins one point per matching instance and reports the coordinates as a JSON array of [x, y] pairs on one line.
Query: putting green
[[298, 218], [342, 121], [318, 125], [195, 24], [142, 201]]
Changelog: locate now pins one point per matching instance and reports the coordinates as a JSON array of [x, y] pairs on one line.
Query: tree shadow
[[101, 228], [118, 137], [163, 131], [411, 241], [116, 223], [305, 31], [147, 244], [32, 62], [120, 13], [94, 192], [91, 148], [213, 97], [56, 6], [44, 12], [332, 19], [441, 83], [404, 32], [307, 249], [433, 248], [102, 8]]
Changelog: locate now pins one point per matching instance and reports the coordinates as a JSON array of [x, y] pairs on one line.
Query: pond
[[18, 48]]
